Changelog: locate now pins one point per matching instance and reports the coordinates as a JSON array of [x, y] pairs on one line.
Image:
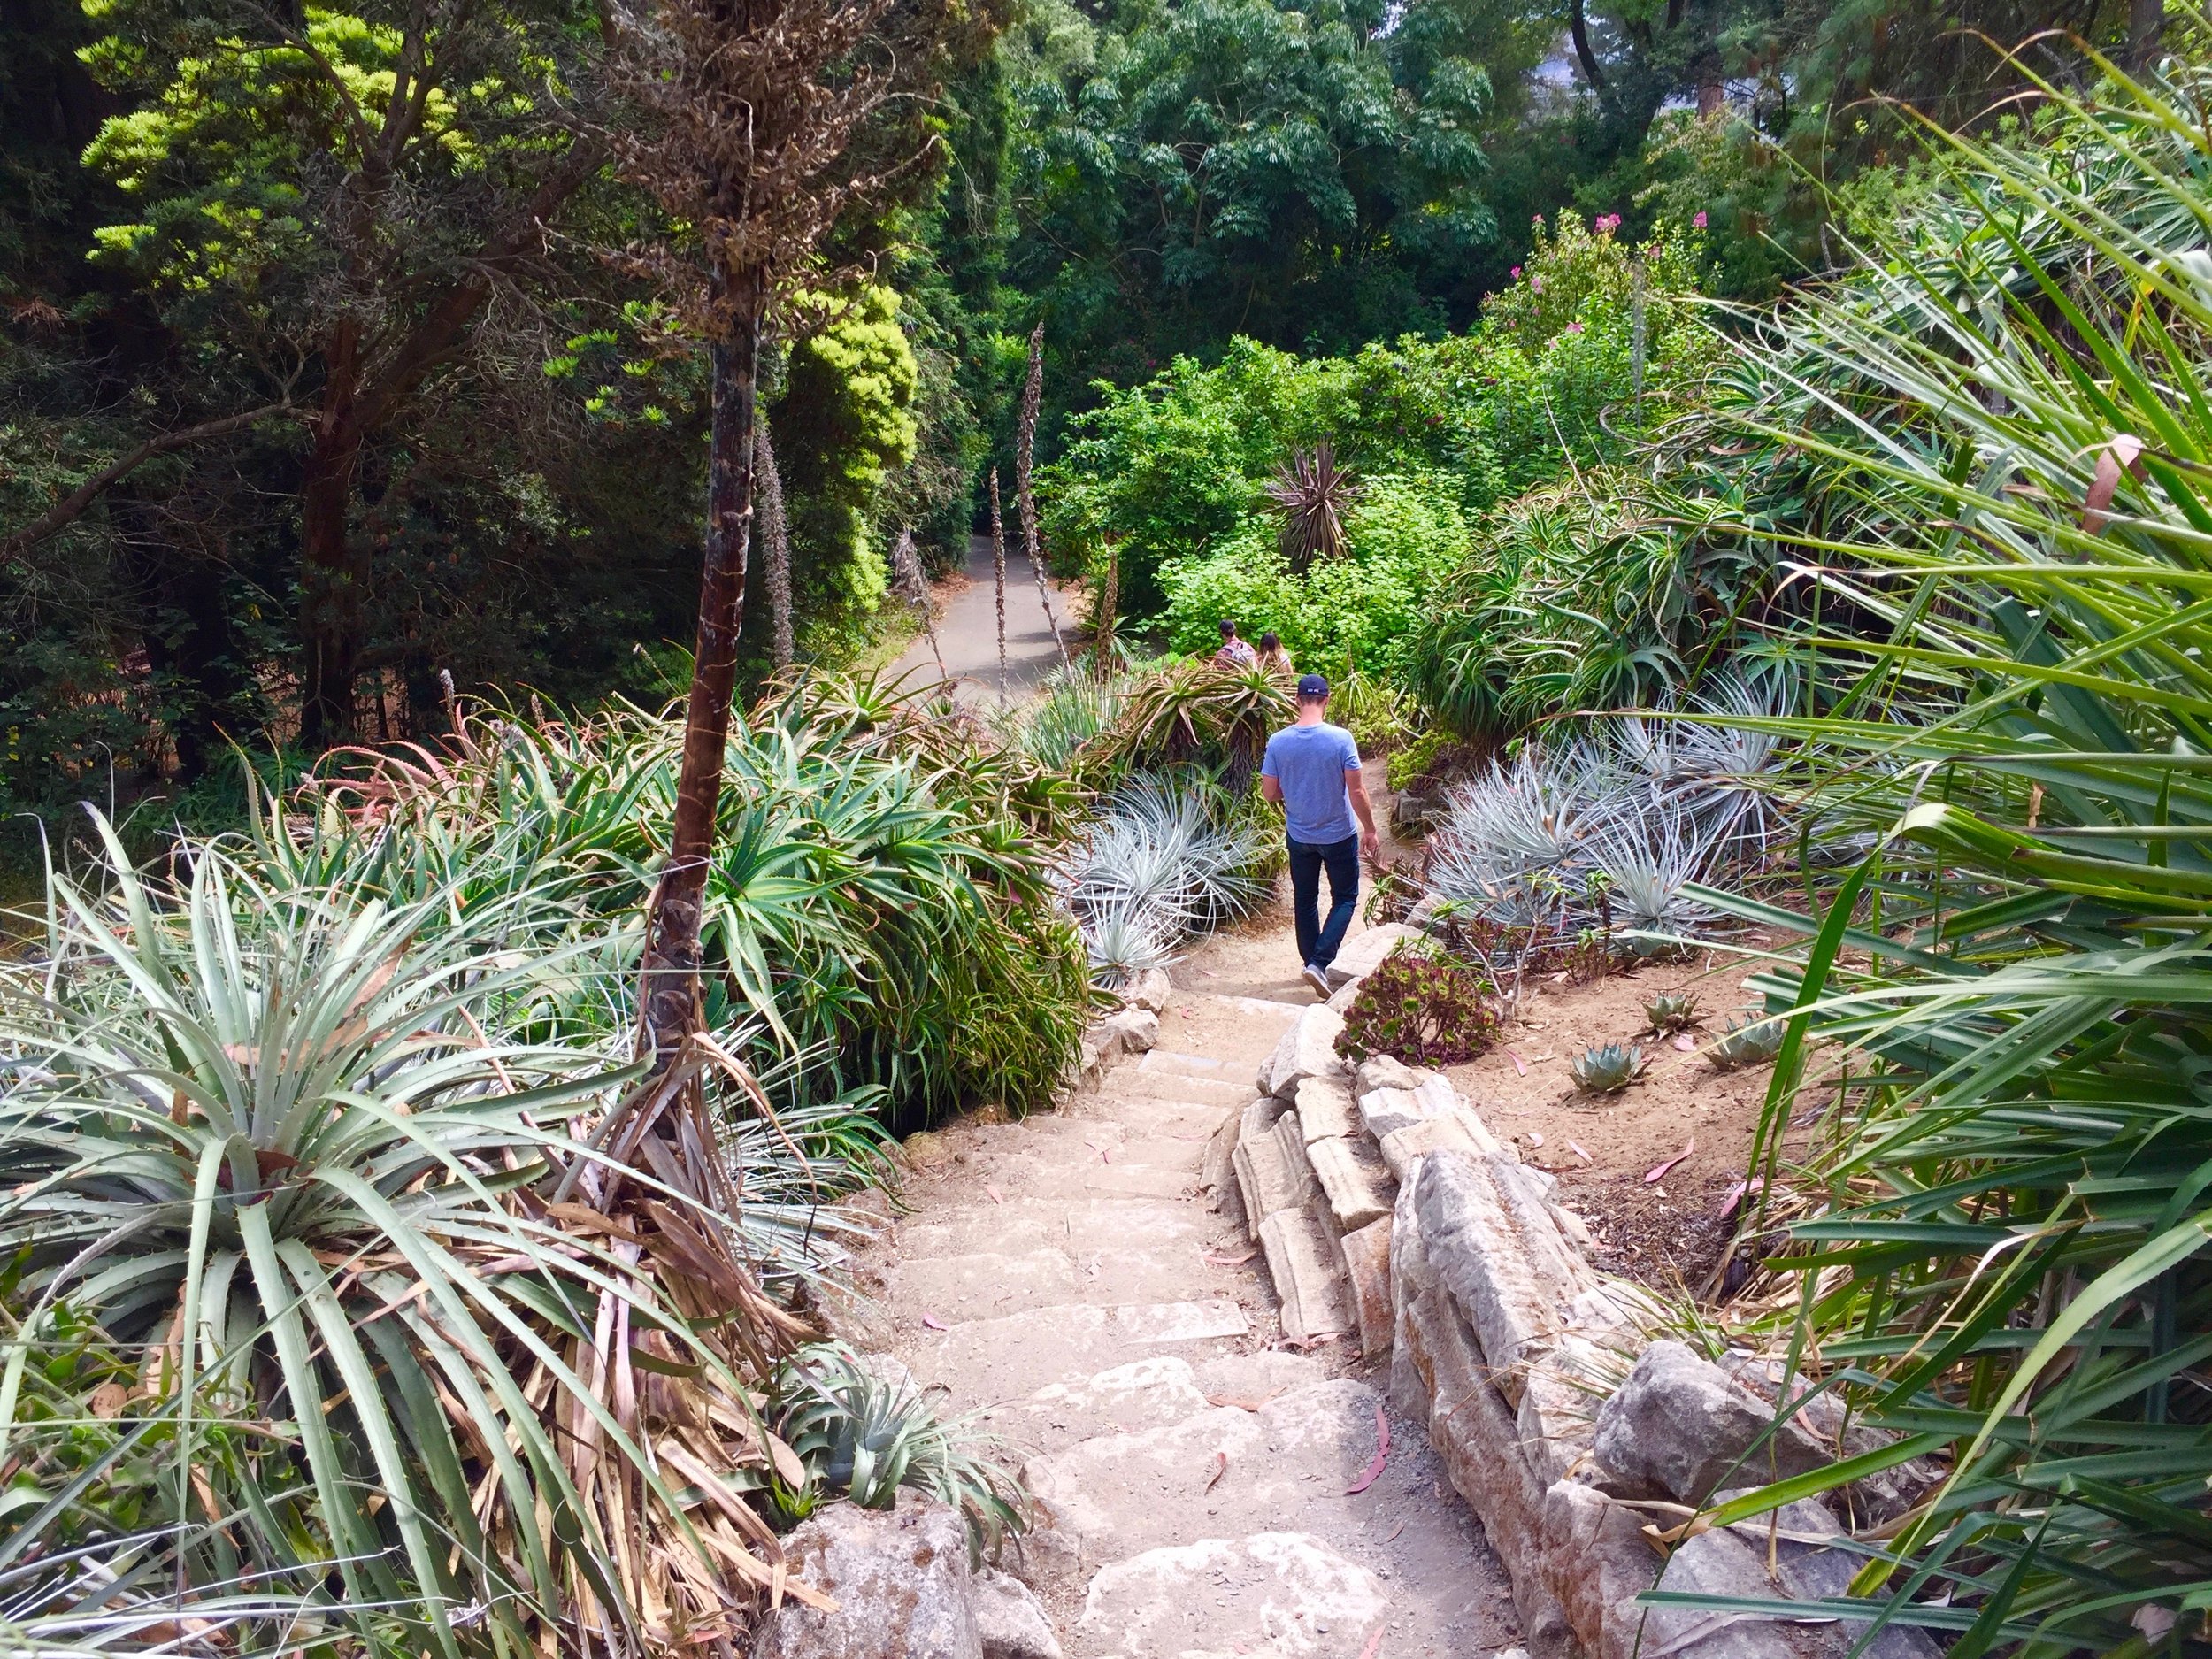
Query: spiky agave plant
[[271, 1162], [1671, 1011], [1749, 1039], [1606, 1068]]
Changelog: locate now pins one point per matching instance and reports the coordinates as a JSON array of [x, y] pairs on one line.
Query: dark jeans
[[1317, 942]]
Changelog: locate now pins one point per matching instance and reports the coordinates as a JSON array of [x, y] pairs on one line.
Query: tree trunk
[[334, 573], [775, 542], [2147, 26], [671, 968]]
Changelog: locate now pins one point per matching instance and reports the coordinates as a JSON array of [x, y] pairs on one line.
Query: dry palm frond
[[1315, 493]]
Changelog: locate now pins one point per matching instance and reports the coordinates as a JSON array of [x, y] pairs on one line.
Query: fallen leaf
[[1221, 1468], [1208, 973], [1374, 1645], [107, 1400], [1658, 1171], [933, 1322], [1519, 1066], [1242, 1405], [1231, 1260], [1534, 1139], [1735, 1196], [1687, 1043], [1394, 1531], [993, 1193], [1575, 1146], [1373, 1471], [1303, 1343]]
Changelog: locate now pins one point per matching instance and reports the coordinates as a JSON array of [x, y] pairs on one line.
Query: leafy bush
[[1404, 536], [1421, 1005], [1986, 446]]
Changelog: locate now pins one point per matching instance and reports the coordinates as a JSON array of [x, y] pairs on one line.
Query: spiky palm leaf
[[1315, 492]]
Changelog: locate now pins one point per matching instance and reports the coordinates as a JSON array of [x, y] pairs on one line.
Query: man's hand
[[1371, 845]]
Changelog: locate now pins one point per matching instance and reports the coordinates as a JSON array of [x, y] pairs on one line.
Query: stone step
[[1132, 1083], [984, 1361], [1181, 1134], [1198, 1065], [1078, 1173], [1219, 1472], [1019, 1225], [987, 1284], [1276, 1593], [1150, 1115], [1146, 1393]]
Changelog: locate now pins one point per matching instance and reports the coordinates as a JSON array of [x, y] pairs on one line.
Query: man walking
[[1312, 769], [1234, 653]]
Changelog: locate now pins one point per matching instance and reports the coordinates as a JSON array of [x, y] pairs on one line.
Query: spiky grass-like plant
[[1315, 491]]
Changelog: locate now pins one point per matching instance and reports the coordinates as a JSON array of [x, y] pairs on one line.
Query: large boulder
[[1494, 1242], [1148, 990], [1680, 1428], [1009, 1622], [900, 1579], [1308, 1050], [1361, 957]]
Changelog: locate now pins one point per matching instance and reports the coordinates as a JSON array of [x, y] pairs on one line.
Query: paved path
[[1065, 1276], [967, 628]]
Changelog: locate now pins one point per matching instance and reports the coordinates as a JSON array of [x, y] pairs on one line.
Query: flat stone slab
[[984, 1361], [1326, 1109], [1355, 1183], [1020, 1225], [1224, 1469], [1146, 1393], [1308, 1283], [985, 1285], [1280, 1594], [1365, 953], [1187, 1065], [1079, 1172]]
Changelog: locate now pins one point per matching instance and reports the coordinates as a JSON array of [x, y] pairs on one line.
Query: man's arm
[[1271, 787], [1355, 787]]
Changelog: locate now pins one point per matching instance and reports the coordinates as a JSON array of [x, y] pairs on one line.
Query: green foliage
[[1405, 537], [1419, 758], [1746, 1040], [1671, 1011], [843, 426], [1987, 445], [1421, 1005], [1174, 474]]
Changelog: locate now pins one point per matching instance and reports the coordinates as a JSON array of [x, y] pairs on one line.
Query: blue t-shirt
[[1309, 762]]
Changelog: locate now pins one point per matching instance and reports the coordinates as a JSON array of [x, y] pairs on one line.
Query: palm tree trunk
[[671, 969], [998, 571]]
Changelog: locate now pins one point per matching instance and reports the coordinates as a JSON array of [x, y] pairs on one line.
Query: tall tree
[[336, 200], [766, 121]]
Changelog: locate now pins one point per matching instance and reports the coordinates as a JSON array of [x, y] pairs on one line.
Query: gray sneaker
[[1318, 978]]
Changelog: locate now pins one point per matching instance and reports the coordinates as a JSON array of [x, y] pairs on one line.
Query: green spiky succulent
[[1608, 1068], [1671, 1011], [1750, 1041]]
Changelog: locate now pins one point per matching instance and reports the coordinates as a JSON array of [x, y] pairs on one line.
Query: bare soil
[[1684, 1116]]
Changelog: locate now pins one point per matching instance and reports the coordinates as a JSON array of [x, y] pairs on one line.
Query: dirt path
[[1066, 1277], [967, 629]]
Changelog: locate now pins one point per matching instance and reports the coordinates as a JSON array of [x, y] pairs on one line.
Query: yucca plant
[[1992, 452], [1315, 491]]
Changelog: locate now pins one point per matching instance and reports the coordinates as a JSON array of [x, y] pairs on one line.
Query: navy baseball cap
[[1312, 686]]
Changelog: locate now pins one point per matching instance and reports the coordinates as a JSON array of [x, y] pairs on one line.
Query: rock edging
[[1388, 1211]]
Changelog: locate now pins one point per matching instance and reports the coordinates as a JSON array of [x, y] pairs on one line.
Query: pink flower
[[1608, 223], [1575, 328], [1538, 219], [1697, 219], [1536, 285], [1517, 274]]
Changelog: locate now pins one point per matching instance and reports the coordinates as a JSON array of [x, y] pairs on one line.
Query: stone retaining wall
[[1391, 1215]]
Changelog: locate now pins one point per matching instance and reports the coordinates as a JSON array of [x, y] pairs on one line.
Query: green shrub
[[1421, 1005], [1404, 535]]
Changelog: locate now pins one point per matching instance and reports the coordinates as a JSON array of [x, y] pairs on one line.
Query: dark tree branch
[[1580, 30], [73, 506]]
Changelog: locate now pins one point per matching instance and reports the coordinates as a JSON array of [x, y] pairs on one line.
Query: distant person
[[1273, 658], [1234, 653], [1312, 768]]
